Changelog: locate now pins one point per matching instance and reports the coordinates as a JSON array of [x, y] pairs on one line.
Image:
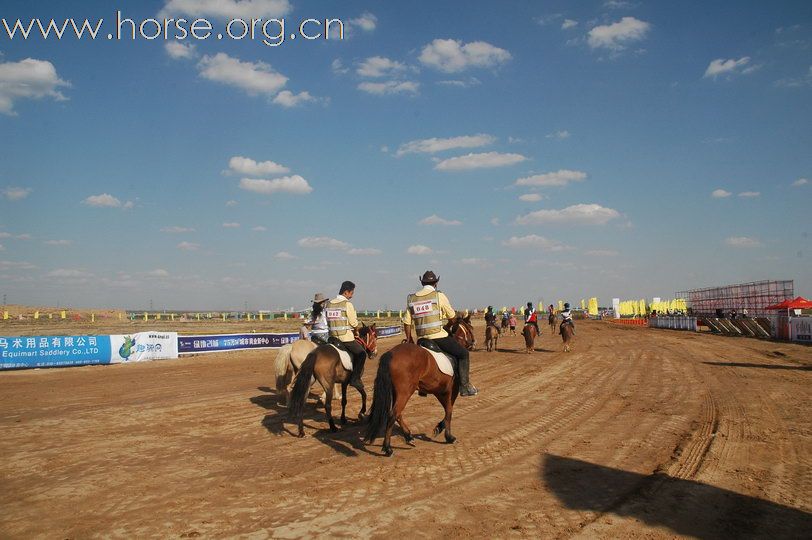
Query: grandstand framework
[[753, 297]]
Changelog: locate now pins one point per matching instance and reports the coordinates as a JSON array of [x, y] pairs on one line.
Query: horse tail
[[302, 387], [282, 365], [382, 399]]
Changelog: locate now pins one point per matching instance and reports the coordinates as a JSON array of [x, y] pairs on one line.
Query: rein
[[366, 343]]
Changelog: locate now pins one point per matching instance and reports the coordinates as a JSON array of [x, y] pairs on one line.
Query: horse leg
[[358, 385], [328, 402], [343, 403], [449, 399]]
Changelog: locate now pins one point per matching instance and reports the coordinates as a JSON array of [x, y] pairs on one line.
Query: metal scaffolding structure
[[753, 297]]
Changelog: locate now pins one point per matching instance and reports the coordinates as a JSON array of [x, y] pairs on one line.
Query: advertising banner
[[232, 342], [143, 347], [53, 351], [801, 329]]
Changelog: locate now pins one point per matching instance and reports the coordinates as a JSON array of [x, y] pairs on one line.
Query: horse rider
[[551, 309], [566, 318], [427, 310], [342, 324], [530, 317], [490, 317], [505, 315], [317, 322]]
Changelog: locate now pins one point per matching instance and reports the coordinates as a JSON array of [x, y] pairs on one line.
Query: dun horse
[[409, 367], [529, 333], [287, 364], [491, 337], [323, 364]]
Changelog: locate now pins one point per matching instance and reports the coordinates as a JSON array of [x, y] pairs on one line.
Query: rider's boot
[[466, 388]]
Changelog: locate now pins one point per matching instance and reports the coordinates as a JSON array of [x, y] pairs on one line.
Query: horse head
[[368, 338], [462, 330]]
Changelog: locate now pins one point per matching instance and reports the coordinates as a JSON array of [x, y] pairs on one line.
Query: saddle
[[445, 362], [343, 353]]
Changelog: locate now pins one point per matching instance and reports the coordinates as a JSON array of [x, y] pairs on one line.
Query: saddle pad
[[443, 362], [346, 359]]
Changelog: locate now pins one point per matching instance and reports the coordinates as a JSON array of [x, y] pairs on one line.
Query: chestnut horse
[[287, 364], [566, 335], [551, 320], [324, 365], [409, 367], [529, 333]]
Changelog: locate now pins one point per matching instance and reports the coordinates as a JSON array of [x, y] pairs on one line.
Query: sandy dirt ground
[[636, 433]]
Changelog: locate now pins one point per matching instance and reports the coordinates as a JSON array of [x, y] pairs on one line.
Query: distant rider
[[566, 318], [428, 310], [530, 317], [317, 322], [490, 317]]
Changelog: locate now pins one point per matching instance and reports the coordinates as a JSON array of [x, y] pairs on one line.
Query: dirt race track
[[636, 433]]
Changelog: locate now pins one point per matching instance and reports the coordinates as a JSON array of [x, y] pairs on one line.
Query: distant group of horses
[[529, 332], [404, 369]]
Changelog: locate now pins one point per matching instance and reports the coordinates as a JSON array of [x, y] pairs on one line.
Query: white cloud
[[720, 194], [23, 237], [561, 177], [28, 79], [320, 242], [227, 9], [284, 256], [535, 241], [560, 135], [68, 273], [338, 67], [288, 99], [2, 248], [389, 87], [495, 221], [16, 193], [105, 200], [5, 235], [253, 77], [379, 66], [617, 35], [419, 249], [434, 219], [259, 228], [366, 22], [451, 56], [188, 246], [796, 82], [175, 229], [231, 225], [178, 50], [578, 214], [58, 242], [617, 4], [364, 251], [743, 242], [720, 66], [568, 23], [531, 197], [231, 203], [749, 194], [800, 182], [249, 167], [158, 272], [287, 184], [602, 253], [433, 145], [479, 161], [467, 83]]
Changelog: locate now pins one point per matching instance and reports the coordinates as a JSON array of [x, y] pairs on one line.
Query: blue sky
[[521, 150]]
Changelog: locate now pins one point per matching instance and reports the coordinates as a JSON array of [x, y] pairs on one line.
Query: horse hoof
[[360, 417], [450, 439], [301, 434], [388, 452], [333, 429], [343, 420]]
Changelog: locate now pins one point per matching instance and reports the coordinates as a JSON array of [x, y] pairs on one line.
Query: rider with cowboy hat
[[317, 323], [342, 322], [427, 310]]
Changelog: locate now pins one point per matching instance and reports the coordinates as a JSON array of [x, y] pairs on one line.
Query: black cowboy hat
[[429, 278]]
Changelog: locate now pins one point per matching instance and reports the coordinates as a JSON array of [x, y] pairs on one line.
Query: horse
[[408, 367], [566, 335], [287, 364], [551, 320], [491, 337], [529, 333], [323, 364], [504, 323]]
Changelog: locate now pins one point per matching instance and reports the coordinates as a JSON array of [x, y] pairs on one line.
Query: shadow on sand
[[685, 507], [762, 366]]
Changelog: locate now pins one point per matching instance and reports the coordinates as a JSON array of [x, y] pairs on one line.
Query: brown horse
[[505, 323], [551, 320], [491, 337], [566, 335], [529, 333], [324, 365], [409, 367]]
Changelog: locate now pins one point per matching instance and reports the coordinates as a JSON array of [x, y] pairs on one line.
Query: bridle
[[369, 342], [468, 338]]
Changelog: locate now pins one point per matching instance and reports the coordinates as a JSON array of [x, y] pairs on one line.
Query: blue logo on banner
[[53, 351]]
